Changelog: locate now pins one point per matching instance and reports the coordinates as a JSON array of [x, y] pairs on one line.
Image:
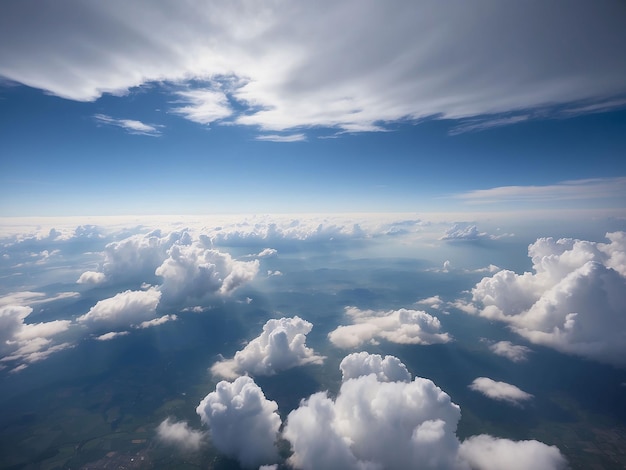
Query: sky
[[284, 107], [233, 233]]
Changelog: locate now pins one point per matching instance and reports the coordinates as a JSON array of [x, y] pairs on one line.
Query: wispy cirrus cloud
[[591, 188], [129, 125], [327, 64], [282, 138]]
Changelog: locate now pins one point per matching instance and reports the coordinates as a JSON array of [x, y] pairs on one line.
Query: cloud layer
[[352, 66], [573, 301], [281, 345]]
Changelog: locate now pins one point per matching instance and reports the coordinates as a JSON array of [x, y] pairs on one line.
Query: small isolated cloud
[[129, 125], [485, 452], [271, 273], [123, 309], [432, 302], [500, 391], [243, 424], [111, 335], [267, 253], [573, 301], [282, 138], [515, 353], [281, 345], [387, 369], [180, 435], [157, 321], [375, 423], [91, 277], [192, 272], [398, 326], [465, 232]]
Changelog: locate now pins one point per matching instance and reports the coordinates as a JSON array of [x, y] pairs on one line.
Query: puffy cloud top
[[398, 326], [574, 301], [191, 271], [389, 369], [123, 309], [180, 435], [243, 423], [280, 346], [375, 423]]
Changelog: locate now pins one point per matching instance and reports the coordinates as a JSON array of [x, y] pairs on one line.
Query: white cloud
[[375, 424], [282, 138], [129, 125], [267, 253], [123, 309], [330, 64], [464, 231], [501, 391], [111, 335], [91, 277], [28, 342], [192, 272], [515, 353], [572, 302], [243, 423], [25, 298], [157, 321], [488, 453], [274, 273], [593, 188], [179, 434], [204, 106], [281, 345], [387, 369], [398, 326], [136, 257]]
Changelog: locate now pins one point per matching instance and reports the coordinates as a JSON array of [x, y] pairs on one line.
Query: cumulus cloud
[[286, 66], [123, 309], [179, 434], [501, 391], [387, 369], [91, 277], [514, 352], [573, 301], [375, 423], [242, 423], [281, 345], [28, 342], [465, 232], [488, 453], [398, 326], [192, 272]]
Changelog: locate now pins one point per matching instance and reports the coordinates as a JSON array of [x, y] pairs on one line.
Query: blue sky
[[326, 108]]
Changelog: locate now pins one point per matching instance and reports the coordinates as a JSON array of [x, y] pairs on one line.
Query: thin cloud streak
[[129, 125], [592, 188]]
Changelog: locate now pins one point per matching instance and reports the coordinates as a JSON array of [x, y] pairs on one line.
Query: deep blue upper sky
[[269, 110]]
